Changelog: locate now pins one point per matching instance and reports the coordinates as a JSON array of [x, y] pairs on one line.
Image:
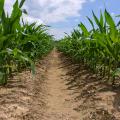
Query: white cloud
[[32, 19], [8, 5], [50, 11], [113, 14], [59, 33], [59, 11]]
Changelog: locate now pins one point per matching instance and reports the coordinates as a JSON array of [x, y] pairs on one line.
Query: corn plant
[[97, 48], [20, 43]]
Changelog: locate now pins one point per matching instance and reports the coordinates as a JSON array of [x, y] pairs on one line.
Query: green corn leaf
[[1, 7], [33, 68], [15, 17], [109, 19], [97, 22], [2, 78], [111, 23], [5, 23], [21, 3], [91, 22], [15, 10], [84, 29], [24, 11], [101, 19], [116, 72], [9, 51], [16, 13], [19, 55]]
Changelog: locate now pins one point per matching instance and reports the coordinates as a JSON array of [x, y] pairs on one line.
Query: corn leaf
[[109, 19], [97, 22], [84, 29], [91, 22], [1, 7], [21, 3]]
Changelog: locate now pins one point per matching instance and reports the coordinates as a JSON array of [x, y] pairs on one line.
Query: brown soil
[[60, 90]]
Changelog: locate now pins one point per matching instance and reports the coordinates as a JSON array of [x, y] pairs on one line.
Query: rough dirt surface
[[60, 105], [60, 90]]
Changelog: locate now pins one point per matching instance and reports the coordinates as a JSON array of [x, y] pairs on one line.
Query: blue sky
[[112, 6], [65, 15]]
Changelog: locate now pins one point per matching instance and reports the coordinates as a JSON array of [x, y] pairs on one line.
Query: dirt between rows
[[60, 90]]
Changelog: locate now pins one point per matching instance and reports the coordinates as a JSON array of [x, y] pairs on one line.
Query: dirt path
[[43, 98], [60, 105]]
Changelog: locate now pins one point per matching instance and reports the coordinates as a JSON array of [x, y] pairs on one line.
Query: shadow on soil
[[90, 92]]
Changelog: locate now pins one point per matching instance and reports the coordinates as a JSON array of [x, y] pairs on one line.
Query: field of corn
[[21, 43], [98, 48], [75, 78]]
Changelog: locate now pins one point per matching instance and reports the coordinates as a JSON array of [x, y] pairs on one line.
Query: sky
[[64, 15]]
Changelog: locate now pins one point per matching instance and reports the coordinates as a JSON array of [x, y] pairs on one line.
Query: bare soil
[[60, 90]]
